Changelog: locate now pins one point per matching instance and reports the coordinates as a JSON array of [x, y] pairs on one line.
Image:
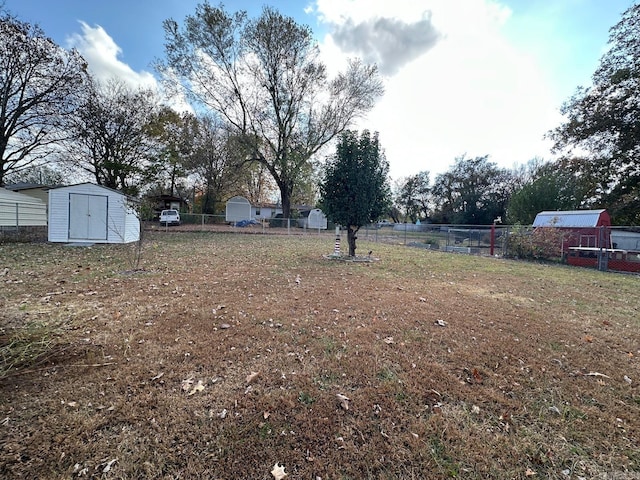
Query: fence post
[[603, 260], [493, 238]]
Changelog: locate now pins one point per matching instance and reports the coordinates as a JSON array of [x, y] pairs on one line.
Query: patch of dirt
[[232, 353]]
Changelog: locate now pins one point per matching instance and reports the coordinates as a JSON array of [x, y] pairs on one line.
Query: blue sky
[[463, 77]]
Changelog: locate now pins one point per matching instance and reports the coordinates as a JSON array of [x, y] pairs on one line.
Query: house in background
[[168, 202], [265, 211], [34, 190], [580, 228], [20, 210], [92, 213]]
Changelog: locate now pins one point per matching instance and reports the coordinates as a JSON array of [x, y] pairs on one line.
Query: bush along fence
[[603, 248]]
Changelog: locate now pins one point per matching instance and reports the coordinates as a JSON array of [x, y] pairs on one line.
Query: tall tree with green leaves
[[174, 133], [474, 191], [38, 82], [355, 190], [414, 196], [265, 79], [550, 188], [601, 134]]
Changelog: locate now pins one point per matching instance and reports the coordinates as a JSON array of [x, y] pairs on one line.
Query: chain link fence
[[603, 248]]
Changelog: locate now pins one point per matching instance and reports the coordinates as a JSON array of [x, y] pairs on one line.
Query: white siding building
[[91, 213], [18, 210], [238, 208], [315, 219]]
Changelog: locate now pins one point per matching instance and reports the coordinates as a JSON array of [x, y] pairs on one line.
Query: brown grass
[[525, 380]]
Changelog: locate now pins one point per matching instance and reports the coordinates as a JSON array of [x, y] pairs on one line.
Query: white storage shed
[[238, 209], [314, 219], [91, 213], [19, 210]]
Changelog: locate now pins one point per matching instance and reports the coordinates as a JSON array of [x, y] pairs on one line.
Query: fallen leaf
[[266, 415], [627, 379], [252, 376], [588, 339], [107, 467], [344, 401], [198, 388], [389, 340], [278, 471], [529, 473], [186, 384], [476, 375]]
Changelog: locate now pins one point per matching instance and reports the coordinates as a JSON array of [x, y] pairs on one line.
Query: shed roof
[[572, 218], [16, 187], [94, 185]]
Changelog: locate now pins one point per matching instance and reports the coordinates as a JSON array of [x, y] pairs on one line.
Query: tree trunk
[[285, 196], [351, 239]]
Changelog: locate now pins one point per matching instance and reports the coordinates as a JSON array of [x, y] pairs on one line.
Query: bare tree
[[111, 135], [38, 80], [264, 77], [215, 161]]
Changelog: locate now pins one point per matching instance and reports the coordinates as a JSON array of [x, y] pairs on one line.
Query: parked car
[[170, 217], [384, 223]]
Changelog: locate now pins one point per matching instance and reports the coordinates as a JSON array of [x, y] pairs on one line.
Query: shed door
[[87, 217]]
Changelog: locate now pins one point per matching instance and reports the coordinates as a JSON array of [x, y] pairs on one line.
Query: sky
[[462, 77]]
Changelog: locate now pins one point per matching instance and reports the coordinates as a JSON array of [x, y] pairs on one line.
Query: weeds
[[29, 346]]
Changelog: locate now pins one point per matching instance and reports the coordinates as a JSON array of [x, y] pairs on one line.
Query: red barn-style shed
[[581, 228]]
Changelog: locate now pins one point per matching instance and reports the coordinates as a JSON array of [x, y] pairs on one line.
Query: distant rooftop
[[16, 187]]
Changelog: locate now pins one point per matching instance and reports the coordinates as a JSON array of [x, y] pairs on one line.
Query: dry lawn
[[230, 353]]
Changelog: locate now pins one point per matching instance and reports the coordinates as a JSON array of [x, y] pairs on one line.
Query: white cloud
[[470, 93], [101, 53]]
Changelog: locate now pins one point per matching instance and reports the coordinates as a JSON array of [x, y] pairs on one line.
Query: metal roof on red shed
[[572, 218]]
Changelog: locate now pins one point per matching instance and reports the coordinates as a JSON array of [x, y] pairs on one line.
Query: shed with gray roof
[[573, 219], [581, 228]]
